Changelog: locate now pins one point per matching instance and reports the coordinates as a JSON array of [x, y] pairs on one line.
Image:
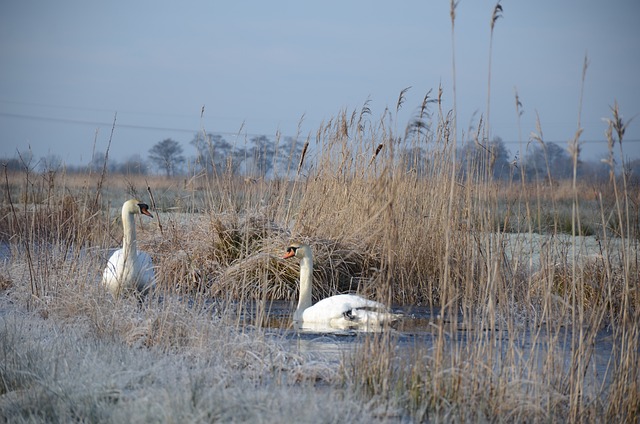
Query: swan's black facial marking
[[144, 209], [291, 252]]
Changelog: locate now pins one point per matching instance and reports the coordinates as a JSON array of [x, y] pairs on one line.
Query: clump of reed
[[378, 226], [514, 338]]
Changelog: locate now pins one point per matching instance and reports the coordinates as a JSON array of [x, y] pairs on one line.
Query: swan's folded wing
[[353, 302], [111, 271], [142, 274], [146, 278], [337, 306]]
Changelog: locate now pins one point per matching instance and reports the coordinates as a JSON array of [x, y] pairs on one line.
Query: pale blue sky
[[68, 66]]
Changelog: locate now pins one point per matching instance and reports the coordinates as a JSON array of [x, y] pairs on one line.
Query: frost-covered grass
[[526, 276]]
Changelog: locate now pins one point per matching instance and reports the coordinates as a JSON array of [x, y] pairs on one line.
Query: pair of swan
[[340, 311], [129, 268]]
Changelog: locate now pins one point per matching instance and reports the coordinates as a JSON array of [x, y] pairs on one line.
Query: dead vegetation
[[401, 231], [375, 229]]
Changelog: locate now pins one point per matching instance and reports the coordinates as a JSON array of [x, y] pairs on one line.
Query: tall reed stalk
[[516, 321]]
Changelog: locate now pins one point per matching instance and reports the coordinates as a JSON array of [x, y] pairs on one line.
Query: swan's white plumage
[[117, 275], [129, 268], [339, 311]]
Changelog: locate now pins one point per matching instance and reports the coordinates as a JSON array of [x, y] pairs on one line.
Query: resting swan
[[339, 311], [127, 267]]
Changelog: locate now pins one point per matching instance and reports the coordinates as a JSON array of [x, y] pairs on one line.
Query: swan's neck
[[306, 280], [129, 243]]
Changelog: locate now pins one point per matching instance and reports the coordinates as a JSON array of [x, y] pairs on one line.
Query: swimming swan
[[339, 311], [127, 267]]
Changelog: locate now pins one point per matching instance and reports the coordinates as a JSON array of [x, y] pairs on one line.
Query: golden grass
[[515, 335], [375, 229]]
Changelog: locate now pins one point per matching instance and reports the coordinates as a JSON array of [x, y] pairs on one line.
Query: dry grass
[[516, 336], [376, 229]]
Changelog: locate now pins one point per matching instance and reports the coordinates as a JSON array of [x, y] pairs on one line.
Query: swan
[[339, 311], [129, 268]]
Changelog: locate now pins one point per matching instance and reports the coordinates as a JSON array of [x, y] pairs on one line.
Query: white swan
[[339, 311], [127, 267]]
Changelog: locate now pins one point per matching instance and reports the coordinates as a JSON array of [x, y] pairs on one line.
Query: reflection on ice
[[522, 351], [341, 327]]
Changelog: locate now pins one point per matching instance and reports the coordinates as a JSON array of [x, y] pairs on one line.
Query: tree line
[[260, 157], [264, 157]]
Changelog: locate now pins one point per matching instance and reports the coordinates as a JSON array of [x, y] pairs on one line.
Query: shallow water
[[536, 349], [525, 351]]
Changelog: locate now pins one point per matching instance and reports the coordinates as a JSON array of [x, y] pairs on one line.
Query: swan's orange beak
[[290, 253], [144, 209]]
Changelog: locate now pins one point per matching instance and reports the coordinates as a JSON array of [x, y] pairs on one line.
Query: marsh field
[[521, 299]]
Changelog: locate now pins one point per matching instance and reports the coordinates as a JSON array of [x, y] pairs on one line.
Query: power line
[[192, 131], [118, 125]]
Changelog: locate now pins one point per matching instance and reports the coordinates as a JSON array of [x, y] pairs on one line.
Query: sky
[[70, 68]]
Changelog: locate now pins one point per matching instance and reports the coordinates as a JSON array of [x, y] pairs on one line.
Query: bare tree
[[547, 161], [50, 163], [268, 158], [215, 154], [133, 165], [99, 161], [167, 155], [490, 159]]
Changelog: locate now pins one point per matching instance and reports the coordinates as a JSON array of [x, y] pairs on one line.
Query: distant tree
[[288, 159], [50, 163], [133, 165], [167, 155], [489, 159], [535, 163], [24, 161], [263, 157], [97, 163], [548, 160], [499, 160], [632, 168], [214, 154], [260, 156], [12, 164], [413, 159], [559, 161], [593, 172]]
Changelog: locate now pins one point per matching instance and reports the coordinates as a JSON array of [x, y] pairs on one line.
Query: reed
[[377, 227], [371, 217], [522, 290]]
